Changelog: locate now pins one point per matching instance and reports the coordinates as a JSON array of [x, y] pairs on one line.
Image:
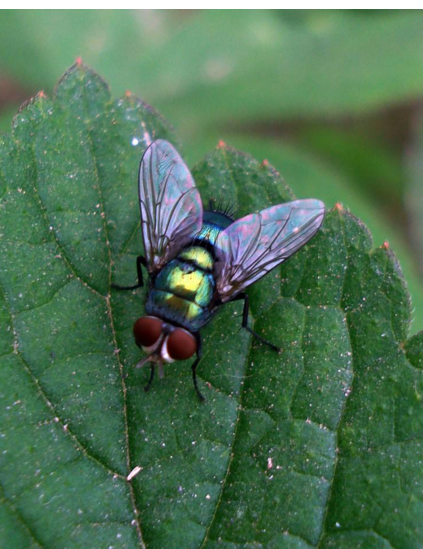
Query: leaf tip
[[29, 109], [80, 79]]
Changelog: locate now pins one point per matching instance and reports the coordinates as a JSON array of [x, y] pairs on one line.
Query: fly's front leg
[[140, 261], [194, 367], [150, 381], [245, 322]]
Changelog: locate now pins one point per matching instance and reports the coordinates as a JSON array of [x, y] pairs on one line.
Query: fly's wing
[[255, 244], [171, 208]]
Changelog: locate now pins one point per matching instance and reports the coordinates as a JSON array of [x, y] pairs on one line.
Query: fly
[[197, 260]]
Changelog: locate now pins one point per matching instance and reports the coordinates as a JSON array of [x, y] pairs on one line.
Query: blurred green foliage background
[[332, 98]]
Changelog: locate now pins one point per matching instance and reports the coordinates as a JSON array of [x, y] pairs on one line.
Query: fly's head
[[162, 341]]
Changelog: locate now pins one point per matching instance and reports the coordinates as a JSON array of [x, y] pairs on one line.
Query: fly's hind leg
[[245, 323], [140, 261]]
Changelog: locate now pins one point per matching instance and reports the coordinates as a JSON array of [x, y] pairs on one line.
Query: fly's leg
[[194, 367], [245, 322], [140, 261], [150, 381]]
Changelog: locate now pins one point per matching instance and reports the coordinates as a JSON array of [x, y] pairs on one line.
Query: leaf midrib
[[111, 317]]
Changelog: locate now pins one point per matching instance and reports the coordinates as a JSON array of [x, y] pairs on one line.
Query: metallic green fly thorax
[[213, 223], [184, 288]]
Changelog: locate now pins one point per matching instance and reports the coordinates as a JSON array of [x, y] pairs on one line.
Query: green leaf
[[376, 170], [319, 446], [220, 65], [267, 69], [36, 46], [413, 195]]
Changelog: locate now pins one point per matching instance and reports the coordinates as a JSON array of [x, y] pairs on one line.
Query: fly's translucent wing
[[253, 245], [171, 208]]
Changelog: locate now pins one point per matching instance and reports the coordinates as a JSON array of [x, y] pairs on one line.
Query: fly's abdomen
[[184, 288]]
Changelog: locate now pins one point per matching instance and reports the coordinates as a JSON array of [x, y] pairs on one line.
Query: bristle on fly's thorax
[[222, 206]]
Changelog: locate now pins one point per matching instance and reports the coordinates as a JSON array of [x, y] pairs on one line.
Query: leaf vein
[[111, 317]]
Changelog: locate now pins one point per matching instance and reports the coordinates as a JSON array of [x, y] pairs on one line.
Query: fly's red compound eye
[[181, 344], [147, 331]]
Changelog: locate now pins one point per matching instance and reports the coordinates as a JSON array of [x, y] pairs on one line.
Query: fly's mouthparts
[[142, 362]]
